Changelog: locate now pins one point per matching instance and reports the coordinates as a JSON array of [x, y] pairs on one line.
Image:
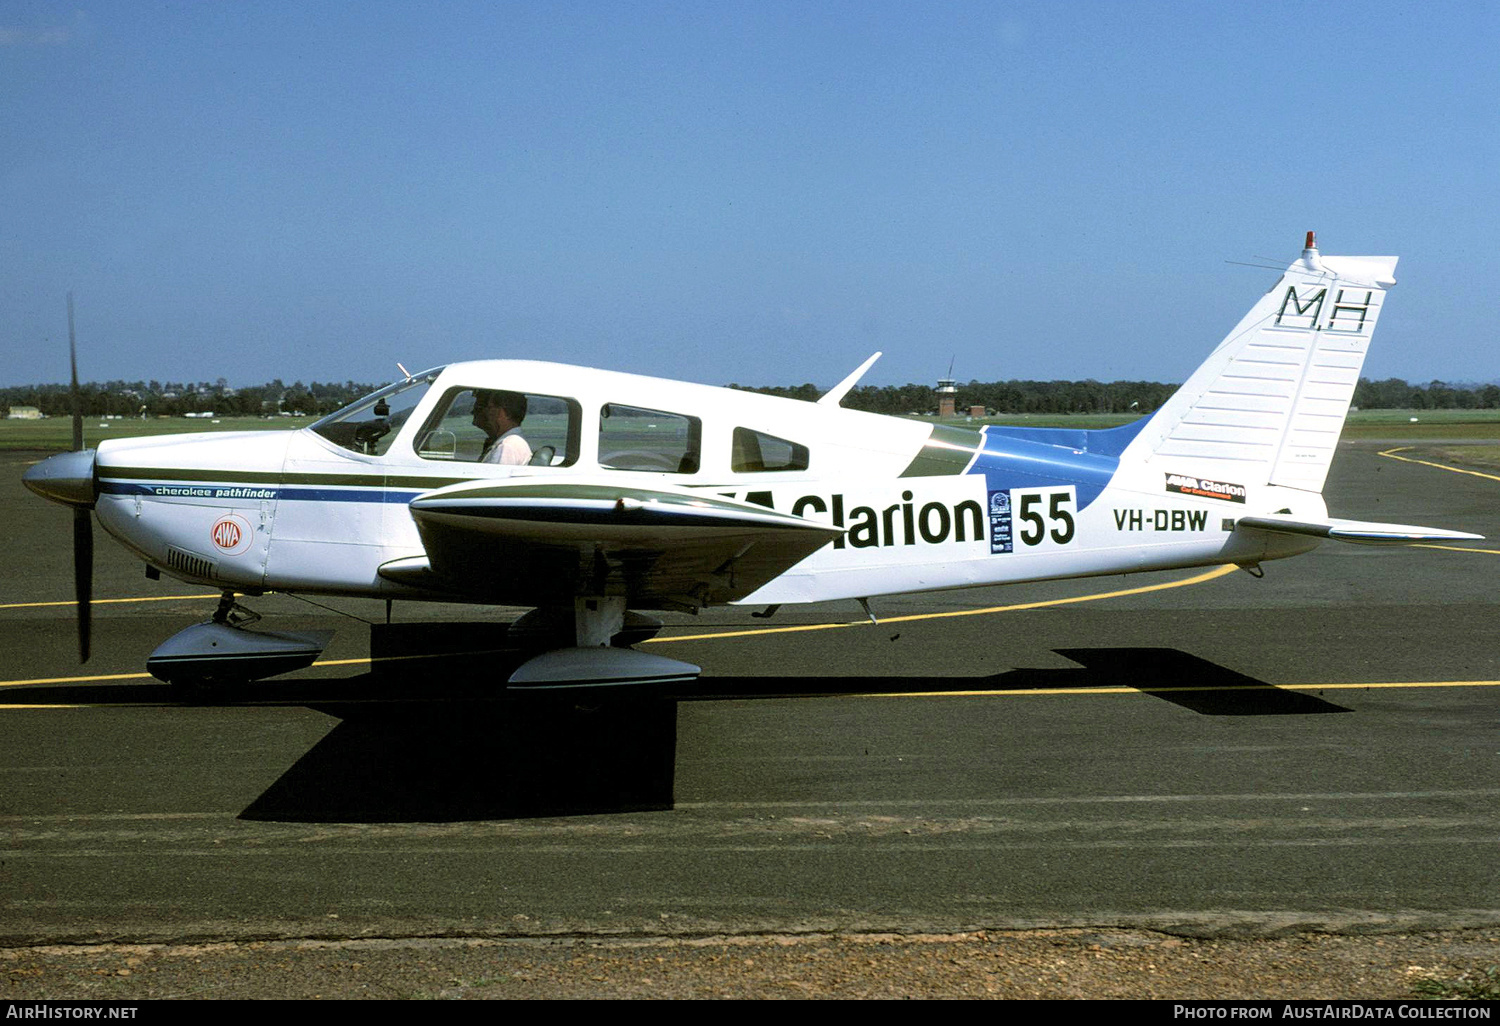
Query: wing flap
[[1358, 531], [531, 542]]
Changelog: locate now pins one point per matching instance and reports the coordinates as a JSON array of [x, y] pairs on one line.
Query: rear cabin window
[[755, 451], [632, 438], [456, 430]]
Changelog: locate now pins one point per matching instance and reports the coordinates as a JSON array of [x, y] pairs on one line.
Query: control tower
[[947, 393]]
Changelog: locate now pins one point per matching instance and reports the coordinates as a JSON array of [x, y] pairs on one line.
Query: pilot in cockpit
[[499, 414]]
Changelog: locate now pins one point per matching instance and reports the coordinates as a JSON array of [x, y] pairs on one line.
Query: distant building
[[25, 413]]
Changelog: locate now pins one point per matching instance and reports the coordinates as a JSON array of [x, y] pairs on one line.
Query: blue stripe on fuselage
[[1101, 441], [228, 492], [1041, 457]]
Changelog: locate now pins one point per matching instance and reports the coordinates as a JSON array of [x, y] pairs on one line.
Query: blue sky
[[759, 192]]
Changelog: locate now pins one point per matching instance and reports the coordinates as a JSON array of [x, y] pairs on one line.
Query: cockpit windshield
[[371, 424]]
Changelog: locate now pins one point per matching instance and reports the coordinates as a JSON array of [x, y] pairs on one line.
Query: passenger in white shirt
[[499, 414]]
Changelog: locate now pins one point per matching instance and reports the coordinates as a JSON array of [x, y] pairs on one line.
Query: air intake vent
[[190, 564]]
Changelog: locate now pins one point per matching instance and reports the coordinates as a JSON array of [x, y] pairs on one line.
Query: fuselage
[[921, 507]]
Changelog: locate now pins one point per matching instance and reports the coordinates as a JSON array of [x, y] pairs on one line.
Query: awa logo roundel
[[231, 534]]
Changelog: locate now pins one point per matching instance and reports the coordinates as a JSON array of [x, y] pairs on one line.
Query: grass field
[[55, 433], [1423, 425]]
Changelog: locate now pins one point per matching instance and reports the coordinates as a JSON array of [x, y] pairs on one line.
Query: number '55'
[[1035, 528]]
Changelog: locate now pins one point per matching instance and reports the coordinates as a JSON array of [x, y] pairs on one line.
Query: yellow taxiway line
[[1146, 689], [105, 602], [146, 676], [1391, 454], [1220, 571]]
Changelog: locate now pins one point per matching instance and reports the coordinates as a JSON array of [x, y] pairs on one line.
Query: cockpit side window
[[456, 430], [632, 438], [756, 452], [370, 425]]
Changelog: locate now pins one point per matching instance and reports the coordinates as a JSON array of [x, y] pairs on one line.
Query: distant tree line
[[1061, 397], [1001, 396], [1395, 394], [176, 399], [274, 398]]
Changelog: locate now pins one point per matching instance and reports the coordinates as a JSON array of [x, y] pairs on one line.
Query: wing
[[531, 542], [1353, 530]]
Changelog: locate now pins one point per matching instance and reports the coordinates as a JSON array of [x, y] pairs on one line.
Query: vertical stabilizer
[[1268, 405]]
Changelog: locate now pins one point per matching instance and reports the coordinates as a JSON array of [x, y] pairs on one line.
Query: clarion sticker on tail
[[1187, 485], [644, 493]]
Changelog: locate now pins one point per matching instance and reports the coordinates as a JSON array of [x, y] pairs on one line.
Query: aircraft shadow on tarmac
[[436, 747], [1168, 673], [495, 760]]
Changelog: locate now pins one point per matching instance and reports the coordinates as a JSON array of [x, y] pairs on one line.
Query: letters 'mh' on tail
[[1268, 405]]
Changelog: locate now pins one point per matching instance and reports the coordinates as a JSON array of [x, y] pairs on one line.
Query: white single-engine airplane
[[647, 494]]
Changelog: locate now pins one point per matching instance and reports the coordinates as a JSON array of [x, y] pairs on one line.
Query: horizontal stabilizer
[[1360, 531]]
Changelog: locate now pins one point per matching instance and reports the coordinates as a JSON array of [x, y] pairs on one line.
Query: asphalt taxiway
[[1200, 750]]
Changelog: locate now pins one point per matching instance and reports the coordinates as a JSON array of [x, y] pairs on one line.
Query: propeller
[[83, 520], [72, 478]]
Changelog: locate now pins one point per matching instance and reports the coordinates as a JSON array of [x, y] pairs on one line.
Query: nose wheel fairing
[[218, 652]]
